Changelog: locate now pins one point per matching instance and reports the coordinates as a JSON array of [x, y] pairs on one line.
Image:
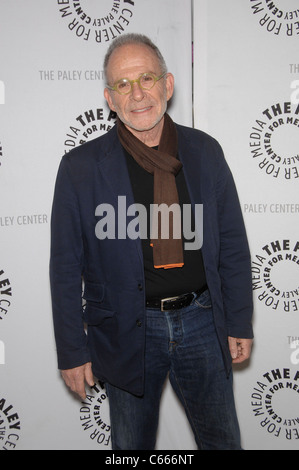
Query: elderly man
[[155, 306]]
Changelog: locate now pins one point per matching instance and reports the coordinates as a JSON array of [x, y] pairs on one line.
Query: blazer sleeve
[[66, 266], [234, 258]]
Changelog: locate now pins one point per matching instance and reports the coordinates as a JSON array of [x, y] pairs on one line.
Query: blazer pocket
[[95, 315], [94, 292]]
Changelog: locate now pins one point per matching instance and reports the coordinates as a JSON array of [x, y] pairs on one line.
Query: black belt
[[175, 303]]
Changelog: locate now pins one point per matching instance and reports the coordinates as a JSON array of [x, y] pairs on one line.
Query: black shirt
[[161, 283]]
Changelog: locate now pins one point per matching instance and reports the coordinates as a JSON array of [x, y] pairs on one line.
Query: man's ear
[[109, 100], [169, 85]]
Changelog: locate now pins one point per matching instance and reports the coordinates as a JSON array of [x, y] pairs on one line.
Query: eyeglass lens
[[146, 81]]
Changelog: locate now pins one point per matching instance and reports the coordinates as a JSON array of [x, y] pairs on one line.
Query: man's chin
[[142, 127]]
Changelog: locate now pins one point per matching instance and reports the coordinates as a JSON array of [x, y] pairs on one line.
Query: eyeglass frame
[[137, 80]]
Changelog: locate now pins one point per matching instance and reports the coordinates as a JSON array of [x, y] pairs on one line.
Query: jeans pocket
[[204, 300]]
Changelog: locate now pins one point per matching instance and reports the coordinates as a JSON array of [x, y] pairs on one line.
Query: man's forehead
[[132, 56]]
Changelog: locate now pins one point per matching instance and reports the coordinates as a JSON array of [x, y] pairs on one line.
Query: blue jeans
[[183, 344]]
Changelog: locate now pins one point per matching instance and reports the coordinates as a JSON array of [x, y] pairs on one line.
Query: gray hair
[[133, 38]]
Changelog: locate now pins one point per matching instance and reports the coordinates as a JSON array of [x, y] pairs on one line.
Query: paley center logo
[[134, 222], [10, 425], [94, 416], [98, 21], [5, 294], [275, 403], [275, 278], [274, 141], [89, 125], [278, 17]]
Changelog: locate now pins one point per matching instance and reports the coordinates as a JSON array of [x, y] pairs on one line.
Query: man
[[153, 305]]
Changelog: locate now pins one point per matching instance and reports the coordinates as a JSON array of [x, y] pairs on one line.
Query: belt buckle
[[166, 300]]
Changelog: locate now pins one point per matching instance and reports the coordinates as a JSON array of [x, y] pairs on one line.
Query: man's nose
[[137, 92]]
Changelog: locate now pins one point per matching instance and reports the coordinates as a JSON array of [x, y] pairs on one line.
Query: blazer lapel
[[113, 168], [189, 156], [112, 165]]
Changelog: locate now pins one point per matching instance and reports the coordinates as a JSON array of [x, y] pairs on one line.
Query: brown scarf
[[164, 165]]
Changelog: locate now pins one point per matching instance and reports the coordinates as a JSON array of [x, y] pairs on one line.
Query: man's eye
[[123, 85], [147, 78]]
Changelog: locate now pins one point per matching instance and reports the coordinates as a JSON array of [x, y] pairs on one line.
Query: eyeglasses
[[146, 81]]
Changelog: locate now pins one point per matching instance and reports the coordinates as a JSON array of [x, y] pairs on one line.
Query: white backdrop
[[246, 95], [51, 99]]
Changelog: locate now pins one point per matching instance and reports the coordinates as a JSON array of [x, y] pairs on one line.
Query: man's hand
[[75, 379], [240, 349]]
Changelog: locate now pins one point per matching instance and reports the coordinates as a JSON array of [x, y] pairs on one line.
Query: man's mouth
[[142, 110]]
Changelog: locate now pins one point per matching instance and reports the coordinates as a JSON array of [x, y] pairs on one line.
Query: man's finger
[[89, 375], [233, 347]]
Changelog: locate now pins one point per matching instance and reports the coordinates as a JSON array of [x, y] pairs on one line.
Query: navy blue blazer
[[111, 270]]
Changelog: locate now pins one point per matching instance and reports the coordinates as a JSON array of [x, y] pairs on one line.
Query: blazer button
[[139, 323], [140, 287]]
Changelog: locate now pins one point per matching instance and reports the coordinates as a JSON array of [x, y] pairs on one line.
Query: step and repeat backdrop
[[246, 94], [51, 100]]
